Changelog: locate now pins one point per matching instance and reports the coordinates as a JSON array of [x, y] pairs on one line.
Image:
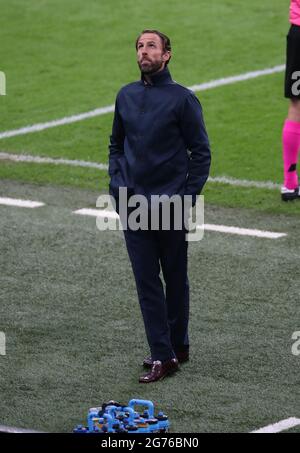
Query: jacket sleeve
[[197, 143], [116, 146]]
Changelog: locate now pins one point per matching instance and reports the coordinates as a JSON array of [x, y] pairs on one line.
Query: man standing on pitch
[[159, 146]]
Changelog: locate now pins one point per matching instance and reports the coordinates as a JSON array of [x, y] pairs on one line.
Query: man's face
[[150, 55]]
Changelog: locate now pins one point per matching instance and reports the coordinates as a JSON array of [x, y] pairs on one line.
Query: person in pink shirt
[[291, 129]]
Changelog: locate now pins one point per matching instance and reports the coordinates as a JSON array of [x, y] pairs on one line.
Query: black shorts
[[292, 72]]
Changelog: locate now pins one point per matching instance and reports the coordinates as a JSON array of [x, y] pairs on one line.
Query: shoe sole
[[287, 197], [161, 378], [290, 196]]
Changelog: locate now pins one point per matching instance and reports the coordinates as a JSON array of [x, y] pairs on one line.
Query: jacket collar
[[160, 78]]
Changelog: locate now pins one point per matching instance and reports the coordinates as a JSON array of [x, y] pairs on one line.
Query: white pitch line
[[207, 227], [110, 108], [60, 122], [242, 182], [97, 213], [237, 78], [243, 231], [20, 203], [14, 430], [49, 160], [82, 163], [283, 425]]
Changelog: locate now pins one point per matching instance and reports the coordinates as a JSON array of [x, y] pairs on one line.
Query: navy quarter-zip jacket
[[159, 143]]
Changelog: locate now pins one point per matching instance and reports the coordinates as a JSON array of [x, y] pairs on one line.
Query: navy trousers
[[165, 312]]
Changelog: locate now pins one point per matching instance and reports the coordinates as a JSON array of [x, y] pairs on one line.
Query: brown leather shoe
[[159, 371], [182, 356]]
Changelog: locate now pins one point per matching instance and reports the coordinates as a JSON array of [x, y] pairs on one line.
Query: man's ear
[[167, 55]]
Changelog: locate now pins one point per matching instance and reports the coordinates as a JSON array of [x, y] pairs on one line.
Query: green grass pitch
[[68, 301]]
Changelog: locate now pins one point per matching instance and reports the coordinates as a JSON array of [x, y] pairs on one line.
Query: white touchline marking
[[60, 122], [242, 231], [110, 108], [50, 160], [283, 425], [82, 163], [237, 78], [20, 203], [242, 182], [97, 213], [14, 430], [207, 227]]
